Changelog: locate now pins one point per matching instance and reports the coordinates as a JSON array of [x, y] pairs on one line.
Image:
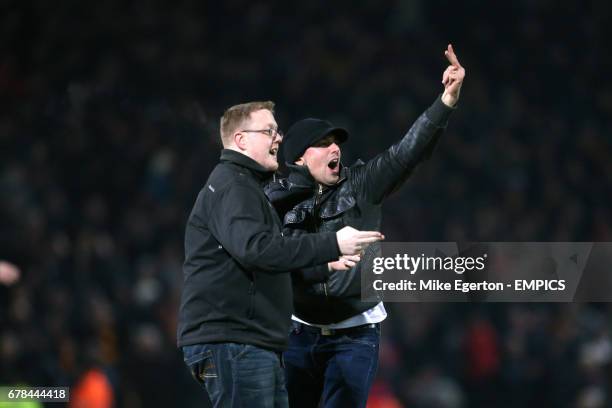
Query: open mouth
[[274, 151], [333, 163]]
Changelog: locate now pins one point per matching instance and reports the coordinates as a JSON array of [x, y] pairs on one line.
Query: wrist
[[449, 100]]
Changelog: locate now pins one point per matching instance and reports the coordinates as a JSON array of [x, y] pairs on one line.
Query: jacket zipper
[[251, 311], [316, 203], [316, 207]]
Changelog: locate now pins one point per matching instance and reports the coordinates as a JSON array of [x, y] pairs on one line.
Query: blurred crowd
[[109, 128]]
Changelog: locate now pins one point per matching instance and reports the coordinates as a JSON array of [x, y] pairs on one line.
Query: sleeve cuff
[[332, 250], [320, 273], [438, 113]]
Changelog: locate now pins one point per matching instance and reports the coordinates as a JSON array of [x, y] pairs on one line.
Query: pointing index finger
[[451, 57], [369, 240]]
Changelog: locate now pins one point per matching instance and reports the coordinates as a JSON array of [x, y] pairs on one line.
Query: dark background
[[109, 128]]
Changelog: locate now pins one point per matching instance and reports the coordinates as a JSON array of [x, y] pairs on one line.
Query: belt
[[323, 331]]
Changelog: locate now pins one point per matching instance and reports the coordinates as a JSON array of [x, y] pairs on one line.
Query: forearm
[[383, 174], [315, 274], [241, 223], [279, 254], [420, 139], [439, 112]]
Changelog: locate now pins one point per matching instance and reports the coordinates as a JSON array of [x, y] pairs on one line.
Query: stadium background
[[108, 129]]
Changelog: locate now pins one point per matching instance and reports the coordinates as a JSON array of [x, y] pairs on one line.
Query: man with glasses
[[236, 303], [333, 348]]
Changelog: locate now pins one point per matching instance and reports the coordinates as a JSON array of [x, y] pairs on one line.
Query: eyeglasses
[[270, 132]]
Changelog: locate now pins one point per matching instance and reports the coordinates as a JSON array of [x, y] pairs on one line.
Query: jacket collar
[[256, 169], [300, 177]]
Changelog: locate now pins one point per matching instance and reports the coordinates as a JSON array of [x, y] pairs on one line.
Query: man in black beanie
[[333, 347]]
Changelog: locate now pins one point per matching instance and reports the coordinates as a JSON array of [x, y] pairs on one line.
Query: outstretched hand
[[345, 263], [452, 78], [352, 241]]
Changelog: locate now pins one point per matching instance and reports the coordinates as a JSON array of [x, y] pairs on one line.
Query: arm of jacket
[[284, 197], [237, 219], [314, 274], [383, 174]]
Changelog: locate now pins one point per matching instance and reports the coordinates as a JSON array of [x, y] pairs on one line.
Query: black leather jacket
[[305, 206]]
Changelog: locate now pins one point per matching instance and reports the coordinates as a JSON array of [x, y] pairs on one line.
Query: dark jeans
[[335, 370], [238, 375]]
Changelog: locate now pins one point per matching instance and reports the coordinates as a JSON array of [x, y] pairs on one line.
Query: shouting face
[[323, 160], [262, 139]]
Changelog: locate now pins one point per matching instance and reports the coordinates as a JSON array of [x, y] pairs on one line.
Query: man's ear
[[240, 139]]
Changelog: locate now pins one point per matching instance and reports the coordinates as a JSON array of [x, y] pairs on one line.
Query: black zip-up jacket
[[236, 286], [319, 296]]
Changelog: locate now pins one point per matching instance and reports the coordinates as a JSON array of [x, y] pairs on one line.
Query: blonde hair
[[234, 116]]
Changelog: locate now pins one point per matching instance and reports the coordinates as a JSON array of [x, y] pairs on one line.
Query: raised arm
[[383, 174]]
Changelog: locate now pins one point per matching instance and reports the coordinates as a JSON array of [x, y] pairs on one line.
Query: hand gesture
[[452, 78], [352, 241], [345, 263]]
